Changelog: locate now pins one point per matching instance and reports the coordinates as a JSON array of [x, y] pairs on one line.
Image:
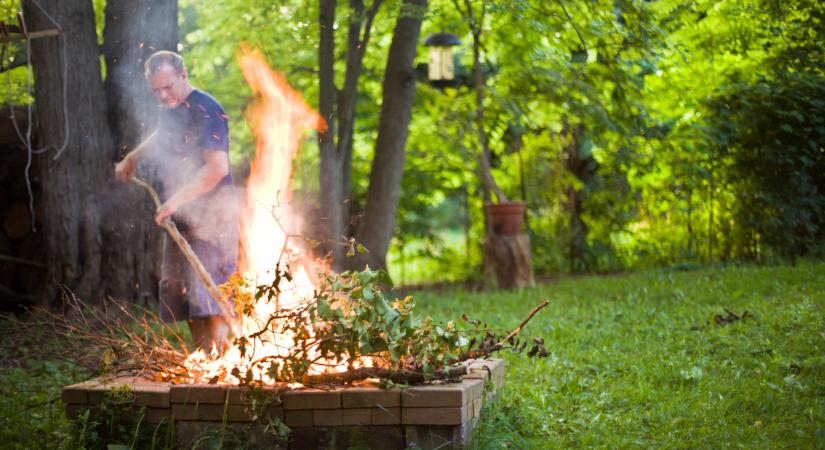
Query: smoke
[[134, 30]]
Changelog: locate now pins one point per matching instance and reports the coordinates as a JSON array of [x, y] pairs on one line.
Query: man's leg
[[209, 328], [210, 333]]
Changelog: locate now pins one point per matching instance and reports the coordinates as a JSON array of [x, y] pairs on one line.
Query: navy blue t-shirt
[[184, 132]]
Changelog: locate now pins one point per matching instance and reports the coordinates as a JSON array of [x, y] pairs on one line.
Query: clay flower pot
[[506, 217]]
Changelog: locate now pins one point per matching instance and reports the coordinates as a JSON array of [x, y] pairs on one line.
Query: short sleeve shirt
[[184, 132]]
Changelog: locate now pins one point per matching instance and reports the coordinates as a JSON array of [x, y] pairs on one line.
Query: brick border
[[452, 408]]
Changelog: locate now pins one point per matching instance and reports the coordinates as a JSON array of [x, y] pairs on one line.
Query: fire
[[280, 119]]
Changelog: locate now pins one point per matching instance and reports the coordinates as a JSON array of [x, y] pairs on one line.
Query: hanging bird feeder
[[441, 69]]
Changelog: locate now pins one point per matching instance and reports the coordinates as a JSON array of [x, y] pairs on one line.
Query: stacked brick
[[453, 408]]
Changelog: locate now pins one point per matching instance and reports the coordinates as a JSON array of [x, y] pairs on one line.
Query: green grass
[[637, 360], [31, 417]]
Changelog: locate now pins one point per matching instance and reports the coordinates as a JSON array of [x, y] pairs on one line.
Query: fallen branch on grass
[[730, 317], [489, 345]]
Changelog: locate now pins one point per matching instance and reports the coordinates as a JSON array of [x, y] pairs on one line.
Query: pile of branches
[[116, 338], [350, 320]]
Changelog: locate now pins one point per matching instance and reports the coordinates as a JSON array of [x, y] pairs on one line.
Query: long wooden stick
[[193, 259]]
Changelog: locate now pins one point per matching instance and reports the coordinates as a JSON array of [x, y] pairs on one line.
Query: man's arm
[[126, 167], [215, 168]]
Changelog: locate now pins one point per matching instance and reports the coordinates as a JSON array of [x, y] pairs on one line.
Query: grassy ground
[[637, 361]]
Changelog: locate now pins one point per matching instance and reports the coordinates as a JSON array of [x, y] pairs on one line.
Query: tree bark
[[356, 48], [73, 183], [488, 182], [583, 167], [331, 217], [134, 30], [338, 108], [376, 227]]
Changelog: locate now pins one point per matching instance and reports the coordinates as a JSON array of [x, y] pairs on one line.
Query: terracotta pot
[[507, 217]]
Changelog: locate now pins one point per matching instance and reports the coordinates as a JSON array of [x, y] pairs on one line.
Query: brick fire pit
[[426, 417]]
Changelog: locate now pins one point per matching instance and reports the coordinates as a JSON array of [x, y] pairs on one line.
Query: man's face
[[169, 86]]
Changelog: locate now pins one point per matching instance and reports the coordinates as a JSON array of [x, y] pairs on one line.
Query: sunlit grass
[[638, 361]]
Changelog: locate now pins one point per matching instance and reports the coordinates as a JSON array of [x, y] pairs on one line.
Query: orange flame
[[280, 118]]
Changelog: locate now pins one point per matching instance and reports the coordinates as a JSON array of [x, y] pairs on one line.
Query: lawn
[[636, 360]]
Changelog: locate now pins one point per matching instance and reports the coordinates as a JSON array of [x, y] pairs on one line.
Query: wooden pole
[[193, 259], [32, 35]]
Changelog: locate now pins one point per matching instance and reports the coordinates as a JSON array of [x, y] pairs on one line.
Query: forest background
[[639, 133]]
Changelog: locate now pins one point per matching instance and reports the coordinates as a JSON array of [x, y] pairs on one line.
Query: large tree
[[376, 225], [338, 108], [75, 171], [98, 233], [134, 30]]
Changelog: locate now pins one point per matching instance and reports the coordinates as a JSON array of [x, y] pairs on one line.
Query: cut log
[[18, 221], [508, 260]]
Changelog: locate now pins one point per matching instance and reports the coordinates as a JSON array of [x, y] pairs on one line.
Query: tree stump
[[508, 260]]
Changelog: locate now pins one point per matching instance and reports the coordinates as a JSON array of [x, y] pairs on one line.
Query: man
[[189, 150]]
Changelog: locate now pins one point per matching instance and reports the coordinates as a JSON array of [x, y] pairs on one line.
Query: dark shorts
[[182, 294]]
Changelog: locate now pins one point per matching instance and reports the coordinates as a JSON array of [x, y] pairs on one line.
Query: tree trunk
[[358, 36], [134, 30], [485, 171], [73, 181], [376, 227], [339, 106], [331, 217], [583, 167]]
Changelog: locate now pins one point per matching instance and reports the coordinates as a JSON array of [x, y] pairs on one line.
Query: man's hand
[[125, 169], [165, 211]]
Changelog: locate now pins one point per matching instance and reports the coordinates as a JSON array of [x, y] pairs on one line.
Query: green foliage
[[771, 135], [116, 423], [15, 84], [361, 321]]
